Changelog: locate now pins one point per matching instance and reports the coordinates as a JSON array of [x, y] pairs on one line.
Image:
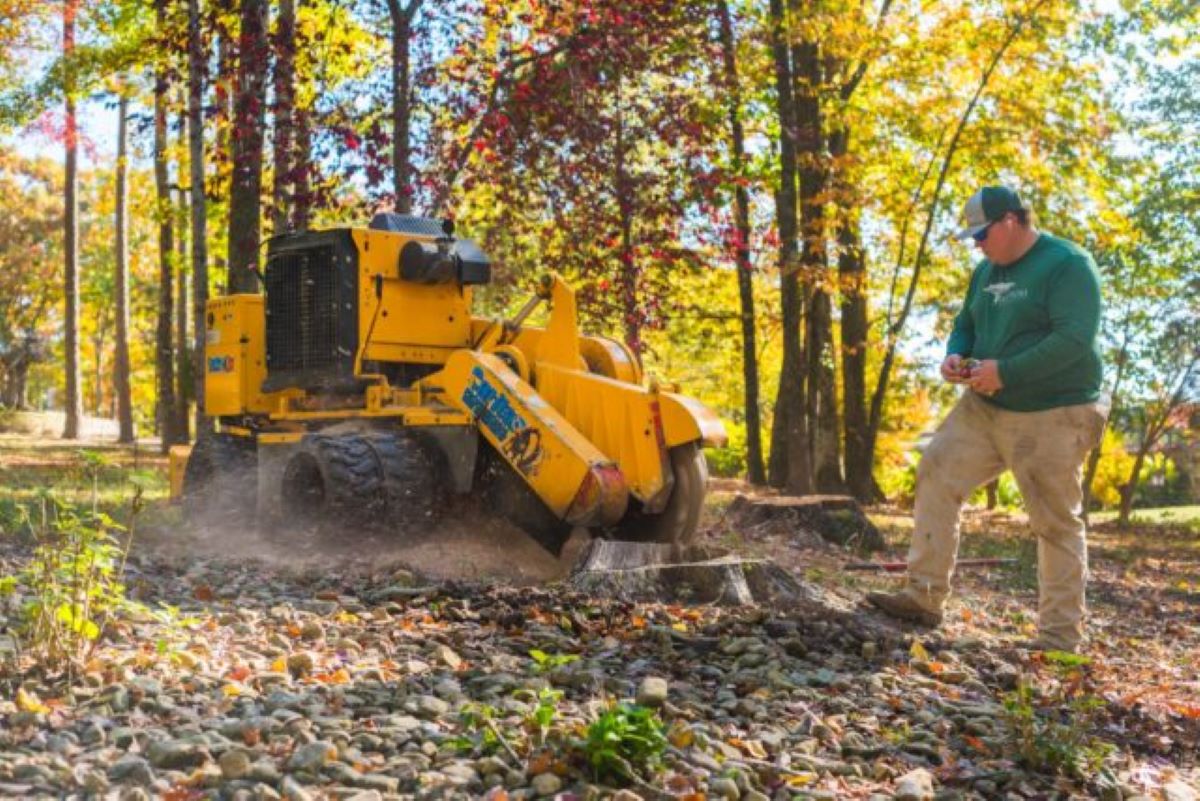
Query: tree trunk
[[402, 19], [992, 490], [73, 402], [1093, 463], [789, 466], [245, 201], [302, 204], [183, 371], [164, 347], [1129, 489], [196, 61], [852, 282], [121, 378], [820, 404], [755, 471], [285, 108]]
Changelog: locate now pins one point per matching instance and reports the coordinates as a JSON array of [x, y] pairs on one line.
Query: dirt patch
[[467, 547]]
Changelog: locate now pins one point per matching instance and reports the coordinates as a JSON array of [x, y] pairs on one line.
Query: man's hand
[[985, 378], [952, 369]]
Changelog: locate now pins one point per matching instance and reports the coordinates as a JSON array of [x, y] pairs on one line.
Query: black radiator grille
[[302, 313]]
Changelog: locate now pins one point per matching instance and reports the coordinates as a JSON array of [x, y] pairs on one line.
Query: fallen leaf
[[29, 702], [918, 651]]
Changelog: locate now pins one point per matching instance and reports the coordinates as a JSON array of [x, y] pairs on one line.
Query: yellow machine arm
[[604, 421]]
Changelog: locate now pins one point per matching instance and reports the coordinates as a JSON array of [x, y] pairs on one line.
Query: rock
[[311, 757], [448, 657], [546, 784], [294, 791], [652, 691], [1178, 791], [131, 768], [235, 763], [300, 664], [915, 785], [263, 771], [312, 631], [176, 754], [724, 787], [95, 782], [431, 707]]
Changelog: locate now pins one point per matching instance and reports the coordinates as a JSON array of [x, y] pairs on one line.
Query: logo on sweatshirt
[[1006, 292]]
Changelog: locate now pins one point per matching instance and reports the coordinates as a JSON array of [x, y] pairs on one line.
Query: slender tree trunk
[[164, 347], [1093, 463], [285, 109], [124, 393], [789, 466], [199, 208], [245, 200], [183, 371], [1129, 489], [402, 171], [73, 402], [852, 282], [755, 471]]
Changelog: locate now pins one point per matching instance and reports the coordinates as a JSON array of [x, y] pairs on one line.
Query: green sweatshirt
[[1038, 318]]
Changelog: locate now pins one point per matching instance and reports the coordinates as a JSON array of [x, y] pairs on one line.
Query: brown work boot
[[903, 606]]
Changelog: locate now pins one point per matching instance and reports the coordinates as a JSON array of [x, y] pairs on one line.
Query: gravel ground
[[354, 676]]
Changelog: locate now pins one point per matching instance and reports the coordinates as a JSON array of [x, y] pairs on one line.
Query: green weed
[[544, 662], [624, 740], [1051, 731], [71, 588]]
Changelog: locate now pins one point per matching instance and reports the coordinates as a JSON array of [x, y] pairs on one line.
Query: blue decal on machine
[[519, 441], [220, 364]]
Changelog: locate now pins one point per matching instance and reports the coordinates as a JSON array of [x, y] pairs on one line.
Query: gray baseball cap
[[985, 207]]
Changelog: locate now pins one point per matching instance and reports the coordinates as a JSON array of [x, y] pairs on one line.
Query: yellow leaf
[[800, 779], [918, 651], [29, 702], [231, 690], [680, 734], [279, 665], [679, 626]]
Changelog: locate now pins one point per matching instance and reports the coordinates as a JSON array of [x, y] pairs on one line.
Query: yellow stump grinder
[[359, 391]]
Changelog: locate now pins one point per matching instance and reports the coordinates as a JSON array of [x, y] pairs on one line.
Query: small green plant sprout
[[1051, 731], [625, 740], [544, 662], [542, 717]]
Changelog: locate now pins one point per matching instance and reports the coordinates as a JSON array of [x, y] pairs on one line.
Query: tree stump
[[635, 571], [837, 519]]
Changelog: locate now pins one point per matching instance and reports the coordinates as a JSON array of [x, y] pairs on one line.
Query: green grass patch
[[1166, 515], [103, 477]]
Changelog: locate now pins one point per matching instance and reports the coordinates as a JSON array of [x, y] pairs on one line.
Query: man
[[1024, 345]]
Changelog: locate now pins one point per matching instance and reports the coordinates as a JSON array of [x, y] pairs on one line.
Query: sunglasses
[[982, 234]]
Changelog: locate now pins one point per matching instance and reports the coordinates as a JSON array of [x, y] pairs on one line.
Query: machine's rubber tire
[[220, 481], [408, 483], [505, 493], [679, 522], [332, 480]]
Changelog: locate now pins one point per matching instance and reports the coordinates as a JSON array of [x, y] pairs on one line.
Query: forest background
[[755, 196]]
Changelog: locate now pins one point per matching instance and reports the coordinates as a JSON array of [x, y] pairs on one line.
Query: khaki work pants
[[1045, 452]]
